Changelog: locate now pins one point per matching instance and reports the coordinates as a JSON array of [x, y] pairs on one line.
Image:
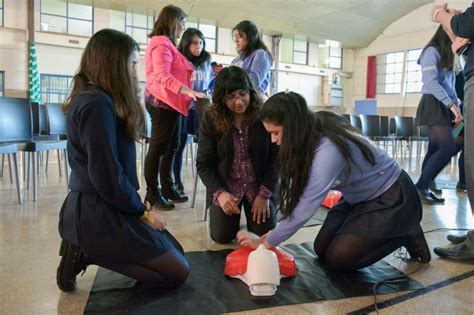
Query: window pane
[[390, 58], [191, 24], [210, 45], [79, 27], [151, 21], [397, 77], [54, 7], [300, 45], [414, 54], [399, 57], [397, 88], [80, 11], [299, 57], [117, 20], [138, 20], [335, 62], [389, 88], [413, 66], [140, 35], [390, 68], [51, 23], [286, 52], [1, 17], [399, 67], [209, 31], [389, 78], [335, 51]]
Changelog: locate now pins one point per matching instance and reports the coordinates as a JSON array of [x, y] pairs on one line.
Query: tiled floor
[[29, 253]]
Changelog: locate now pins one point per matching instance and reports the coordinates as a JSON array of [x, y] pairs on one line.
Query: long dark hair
[[442, 42], [228, 80], [186, 40], [302, 132], [104, 64], [253, 37], [167, 22]]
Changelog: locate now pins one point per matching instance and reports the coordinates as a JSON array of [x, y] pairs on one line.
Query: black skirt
[[397, 212], [108, 235], [432, 112]]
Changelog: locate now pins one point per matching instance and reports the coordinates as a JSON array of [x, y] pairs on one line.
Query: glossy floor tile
[[29, 252]]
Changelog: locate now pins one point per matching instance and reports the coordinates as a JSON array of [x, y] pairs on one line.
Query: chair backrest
[[424, 131], [392, 127], [355, 122], [15, 120], [39, 119], [347, 117], [384, 128], [56, 119], [405, 126], [370, 125]]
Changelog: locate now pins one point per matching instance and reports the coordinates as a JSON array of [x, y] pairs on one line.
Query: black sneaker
[[174, 196], [156, 199], [72, 263], [418, 248]]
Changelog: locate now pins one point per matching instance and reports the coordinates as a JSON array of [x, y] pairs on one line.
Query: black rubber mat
[[208, 291]]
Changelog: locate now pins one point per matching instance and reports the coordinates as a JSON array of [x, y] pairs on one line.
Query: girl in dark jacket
[[235, 158]]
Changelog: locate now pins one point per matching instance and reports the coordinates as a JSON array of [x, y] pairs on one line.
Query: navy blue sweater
[[463, 25]]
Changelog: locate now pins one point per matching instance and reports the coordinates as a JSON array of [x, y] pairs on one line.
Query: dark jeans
[[441, 147], [224, 227], [178, 158], [469, 140], [164, 142]]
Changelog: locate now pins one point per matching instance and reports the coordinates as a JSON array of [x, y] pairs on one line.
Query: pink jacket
[[166, 71]]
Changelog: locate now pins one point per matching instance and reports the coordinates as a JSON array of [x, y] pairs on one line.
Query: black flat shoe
[[459, 252], [457, 239], [418, 248], [157, 200], [180, 188], [174, 196], [461, 187], [434, 188], [72, 263], [428, 197]]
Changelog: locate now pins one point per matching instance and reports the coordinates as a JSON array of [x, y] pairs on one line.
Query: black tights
[[347, 252], [441, 148], [166, 271]]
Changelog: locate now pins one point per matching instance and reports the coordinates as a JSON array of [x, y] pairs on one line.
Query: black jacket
[[216, 154]]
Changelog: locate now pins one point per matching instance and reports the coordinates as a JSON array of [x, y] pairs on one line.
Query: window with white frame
[[389, 73], [1, 12], [2, 83], [65, 17], [208, 29], [139, 26], [55, 88], [300, 51], [413, 72], [335, 55]]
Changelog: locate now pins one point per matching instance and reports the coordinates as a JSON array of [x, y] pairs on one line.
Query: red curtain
[[371, 76]]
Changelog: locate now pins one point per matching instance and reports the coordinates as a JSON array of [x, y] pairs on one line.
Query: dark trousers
[[164, 142], [224, 227], [469, 138], [178, 158]]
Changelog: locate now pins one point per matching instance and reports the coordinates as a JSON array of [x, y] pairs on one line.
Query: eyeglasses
[[240, 95]]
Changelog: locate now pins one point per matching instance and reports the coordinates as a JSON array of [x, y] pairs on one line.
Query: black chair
[[421, 137], [355, 122], [405, 130], [371, 126]]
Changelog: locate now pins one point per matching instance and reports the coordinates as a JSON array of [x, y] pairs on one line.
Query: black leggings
[[166, 271], [441, 147], [347, 252]]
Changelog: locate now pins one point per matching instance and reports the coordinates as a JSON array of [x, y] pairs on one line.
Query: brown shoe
[[418, 248]]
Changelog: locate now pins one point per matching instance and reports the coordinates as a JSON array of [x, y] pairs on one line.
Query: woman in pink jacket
[[167, 95]]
